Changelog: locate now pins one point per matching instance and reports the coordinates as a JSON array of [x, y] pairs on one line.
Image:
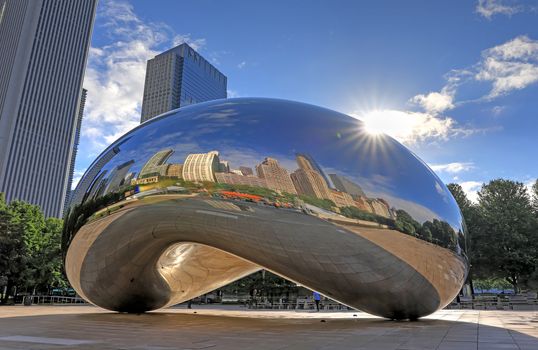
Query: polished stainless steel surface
[[204, 195]]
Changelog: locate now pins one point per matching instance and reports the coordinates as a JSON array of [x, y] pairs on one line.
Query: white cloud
[[77, 175], [528, 185], [452, 168], [471, 189], [242, 65], [490, 8], [116, 71], [435, 102], [409, 127], [497, 110], [196, 44], [509, 66]]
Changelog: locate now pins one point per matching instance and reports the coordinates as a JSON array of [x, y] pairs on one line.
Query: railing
[[493, 302], [51, 300], [295, 305]]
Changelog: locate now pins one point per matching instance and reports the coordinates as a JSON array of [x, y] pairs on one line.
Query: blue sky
[[455, 81]]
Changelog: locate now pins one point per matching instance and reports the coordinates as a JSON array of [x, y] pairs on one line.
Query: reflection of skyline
[[309, 179], [245, 133]]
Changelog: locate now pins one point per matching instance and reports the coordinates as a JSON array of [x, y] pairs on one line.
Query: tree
[[474, 233], [12, 257], [510, 249], [30, 249], [535, 196]]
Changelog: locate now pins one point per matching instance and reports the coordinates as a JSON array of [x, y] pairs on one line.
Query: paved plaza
[[88, 327]]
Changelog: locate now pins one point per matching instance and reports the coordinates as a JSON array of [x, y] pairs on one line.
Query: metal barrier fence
[[51, 300]]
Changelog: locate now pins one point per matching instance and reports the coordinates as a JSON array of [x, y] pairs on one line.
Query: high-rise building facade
[[179, 77], [44, 46], [276, 176], [80, 115]]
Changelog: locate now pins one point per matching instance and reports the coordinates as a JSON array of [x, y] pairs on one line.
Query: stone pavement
[[88, 327]]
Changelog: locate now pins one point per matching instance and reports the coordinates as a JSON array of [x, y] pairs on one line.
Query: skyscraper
[[80, 115], [179, 77], [44, 46], [276, 176]]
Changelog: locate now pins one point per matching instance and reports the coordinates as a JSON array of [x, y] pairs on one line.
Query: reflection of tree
[[326, 204], [442, 233], [405, 223], [78, 215], [356, 213]]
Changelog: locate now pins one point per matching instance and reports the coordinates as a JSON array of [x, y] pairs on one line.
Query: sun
[[374, 122]]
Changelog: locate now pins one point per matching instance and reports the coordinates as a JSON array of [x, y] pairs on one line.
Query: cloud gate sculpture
[[204, 195]]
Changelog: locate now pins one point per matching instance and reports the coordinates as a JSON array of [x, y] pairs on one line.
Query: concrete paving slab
[[88, 327]]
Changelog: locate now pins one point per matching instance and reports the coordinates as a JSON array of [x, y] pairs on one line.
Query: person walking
[[317, 298]]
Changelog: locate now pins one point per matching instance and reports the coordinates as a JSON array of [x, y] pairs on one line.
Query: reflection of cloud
[[249, 157], [441, 191], [418, 212]]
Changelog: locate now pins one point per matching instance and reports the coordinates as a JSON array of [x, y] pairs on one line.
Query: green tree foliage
[[508, 247], [30, 254], [535, 196]]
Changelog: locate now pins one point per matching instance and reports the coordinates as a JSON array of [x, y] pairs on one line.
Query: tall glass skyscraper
[[180, 77], [44, 46]]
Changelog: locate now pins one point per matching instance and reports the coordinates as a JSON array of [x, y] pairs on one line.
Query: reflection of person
[[317, 298]]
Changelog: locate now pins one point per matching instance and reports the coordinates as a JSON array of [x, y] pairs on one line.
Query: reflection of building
[[310, 183], [276, 176], [88, 181], [345, 185], [224, 166], [342, 199], [380, 207], [156, 164], [175, 170], [246, 170], [92, 191], [117, 177], [201, 166], [235, 179], [43, 50], [145, 181], [179, 77], [306, 162], [362, 204]]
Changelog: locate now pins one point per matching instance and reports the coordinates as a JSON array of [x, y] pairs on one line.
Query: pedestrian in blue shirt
[[317, 298]]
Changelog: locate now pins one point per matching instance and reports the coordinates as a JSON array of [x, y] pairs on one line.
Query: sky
[[456, 81]]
